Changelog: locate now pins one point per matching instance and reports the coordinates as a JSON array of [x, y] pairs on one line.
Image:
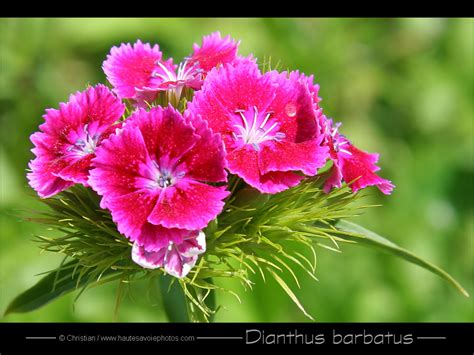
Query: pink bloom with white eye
[[351, 164], [174, 82], [187, 75], [192, 71], [153, 175], [69, 137], [214, 51], [176, 258], [134, 70], [267, 123]]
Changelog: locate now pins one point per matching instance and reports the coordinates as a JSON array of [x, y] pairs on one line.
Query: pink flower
[[134, 70], [214, 51], [176, 258], [352, 164], [152, 177], [187, 75], [138, 72], [192, 71], [267, 122], [66, 144], [174, 82]]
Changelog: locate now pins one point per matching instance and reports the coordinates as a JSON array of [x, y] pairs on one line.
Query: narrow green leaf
[[174, 300], [177, 305], [50, 287], [354, 232], [289, 292], [201, 303]]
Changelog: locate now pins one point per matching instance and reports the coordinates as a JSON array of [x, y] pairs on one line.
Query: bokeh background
[[402, 87]]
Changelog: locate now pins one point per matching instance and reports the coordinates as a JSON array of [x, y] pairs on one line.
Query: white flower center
[[184, 73], [163, 178], [257, 129], [86, 144]]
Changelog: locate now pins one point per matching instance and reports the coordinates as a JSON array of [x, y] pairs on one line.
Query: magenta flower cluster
[[162, 173]]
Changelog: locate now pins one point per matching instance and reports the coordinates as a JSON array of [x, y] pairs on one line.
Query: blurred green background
[[402, 87]]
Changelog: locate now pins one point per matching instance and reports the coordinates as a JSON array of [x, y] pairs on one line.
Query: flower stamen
[[86, 144], [262, 128]]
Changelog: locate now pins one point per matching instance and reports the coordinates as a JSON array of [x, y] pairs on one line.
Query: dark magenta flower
[[267, 122], [351, 164], [69, 137], [153, 176], [177, 258]]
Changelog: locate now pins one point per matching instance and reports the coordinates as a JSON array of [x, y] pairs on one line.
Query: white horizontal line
[[34, 338], [442, 338], [240, 338]]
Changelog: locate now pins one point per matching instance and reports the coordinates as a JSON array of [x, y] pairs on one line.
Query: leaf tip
[[464, 292]]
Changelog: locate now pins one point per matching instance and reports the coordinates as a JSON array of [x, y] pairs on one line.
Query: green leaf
[[353, 232], [289, 292], [55, 284], [174, 300]]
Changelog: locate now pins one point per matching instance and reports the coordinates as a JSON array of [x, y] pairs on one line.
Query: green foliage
[[56, 284], [354, 232], [255, 232]]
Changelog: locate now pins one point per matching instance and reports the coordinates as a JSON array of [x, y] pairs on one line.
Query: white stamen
[[86, 145], [270, 129], [169, 75], [345, 151], [265, 120], [241, 113], [257, 132]]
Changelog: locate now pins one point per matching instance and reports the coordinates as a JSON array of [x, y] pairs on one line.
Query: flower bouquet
[[218, 167]]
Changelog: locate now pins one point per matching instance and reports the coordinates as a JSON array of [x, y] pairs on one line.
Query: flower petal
[[130, 67], [193, 245], [177, 258], [205, 161], [214, 51], [177, 265], [244, 162], [77, 170], [118, 163], [334, 179], [293, 106], [42, 180], [360, 166], [307, 157], [188, 205], [309, 82], [155, 237], [130, 212], [148, 259], [165, 132], [100, 108]]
